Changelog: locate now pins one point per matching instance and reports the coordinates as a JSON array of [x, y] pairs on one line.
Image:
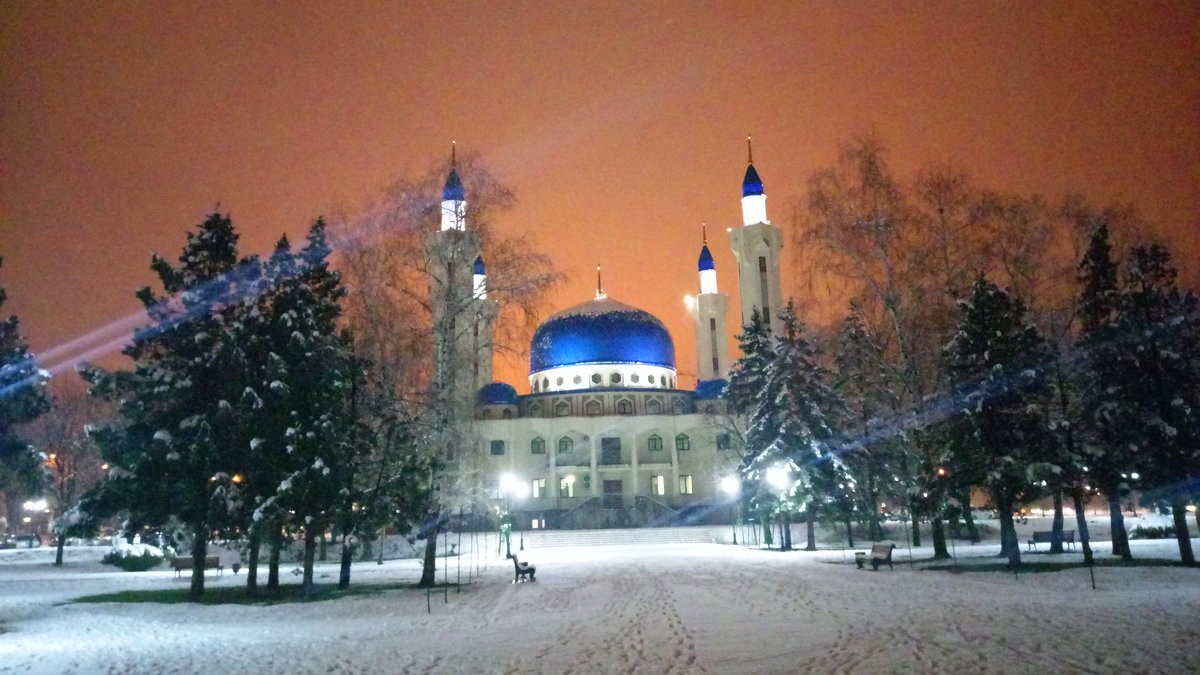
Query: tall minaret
[[756, 245], [462, 320], [712, 345]]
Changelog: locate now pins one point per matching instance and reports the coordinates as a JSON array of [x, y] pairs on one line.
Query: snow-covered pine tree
[[1106, 454], [171, 452], [996, 360], [796, 410], [22, 398], [310, 363], [747, 374], [1157, 363], [862, 381]]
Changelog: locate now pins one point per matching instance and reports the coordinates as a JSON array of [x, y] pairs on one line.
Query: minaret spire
[[453, 158], [454, 200], [749, 151], [704, 233], [599, 287]]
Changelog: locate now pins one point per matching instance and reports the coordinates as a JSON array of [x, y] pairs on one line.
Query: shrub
[[1140, 532], [131, 562]]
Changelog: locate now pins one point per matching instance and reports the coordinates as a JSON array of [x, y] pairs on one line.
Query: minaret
[[712, 345], [462, 321], [756, 245]]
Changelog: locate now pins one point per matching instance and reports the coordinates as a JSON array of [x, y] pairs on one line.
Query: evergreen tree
[[1106, 454], [172, 454], [793, 426], [1158, 368], [22, 398], [749, 371], [996, 359]]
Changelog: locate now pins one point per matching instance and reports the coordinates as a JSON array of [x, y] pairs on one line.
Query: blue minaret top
[[751, 184], [479, 268], [706, 259], [453, 192]]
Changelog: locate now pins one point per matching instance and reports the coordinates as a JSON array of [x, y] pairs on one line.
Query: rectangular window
[[566, 487], [685, 485], [497, 447], [610, 451], [658, 485], [765, 296], [538, 488]]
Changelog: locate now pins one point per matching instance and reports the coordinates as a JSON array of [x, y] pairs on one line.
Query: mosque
[[605, 438]]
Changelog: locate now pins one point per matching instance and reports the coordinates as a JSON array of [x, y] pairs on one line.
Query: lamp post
[[511, 487], [779, 478], [731, 486]]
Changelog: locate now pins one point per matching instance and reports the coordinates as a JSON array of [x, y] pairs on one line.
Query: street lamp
[[511, 487], [731, 486]]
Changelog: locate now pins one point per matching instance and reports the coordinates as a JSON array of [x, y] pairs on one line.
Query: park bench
[[522, 570], [1068, 537], [210, 562], [880, 553]]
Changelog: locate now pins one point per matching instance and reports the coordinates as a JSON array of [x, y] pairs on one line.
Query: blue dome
[[601, 331], [479, 268], [706, 260], [709, 389], [454, 189], [497, 393], [751, 184]]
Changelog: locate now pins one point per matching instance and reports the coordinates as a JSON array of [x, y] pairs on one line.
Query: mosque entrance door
[[614, 494]]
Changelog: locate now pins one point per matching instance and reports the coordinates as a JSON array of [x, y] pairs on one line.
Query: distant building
[[605, 438]]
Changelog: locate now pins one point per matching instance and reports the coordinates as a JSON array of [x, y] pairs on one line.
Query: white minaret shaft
[[712, 344], [480, 279]]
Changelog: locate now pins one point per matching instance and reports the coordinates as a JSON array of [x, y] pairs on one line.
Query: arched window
[[565, 445], [508, 413], [682, 442], [654, 443], [562, 409], [624, 407], [535, 410], [592, 409], [537, 446], [653, 407], [677, 407]]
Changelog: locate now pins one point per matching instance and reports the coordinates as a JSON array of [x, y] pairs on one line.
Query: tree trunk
[[1056, 544], [916, 529], [252, 561], [849, 531], [429, 572], [323, 554], [1009, 546], [1120, 538], [938, 533], [810, 543], [310, 552], [276, 543], [968, 517], [874, 530], [953, 529], [1179, 515], [347, 560], [766, 525], [58, 554], [1081, 524], [367, 551], [199, 552]]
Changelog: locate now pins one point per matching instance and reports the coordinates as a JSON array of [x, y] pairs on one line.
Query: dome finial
[[749, 151], [453, 157], [704, 233], [599, 287]]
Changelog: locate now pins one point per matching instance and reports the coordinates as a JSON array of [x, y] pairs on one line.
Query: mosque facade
[[605, 438]]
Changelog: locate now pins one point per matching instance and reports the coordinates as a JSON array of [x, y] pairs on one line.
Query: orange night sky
[[621, 126]]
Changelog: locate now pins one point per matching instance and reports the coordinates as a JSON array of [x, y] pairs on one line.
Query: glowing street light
[[731, 486], [777, 477]]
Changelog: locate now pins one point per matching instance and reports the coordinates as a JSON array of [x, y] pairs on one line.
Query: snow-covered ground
[[671, 608]]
